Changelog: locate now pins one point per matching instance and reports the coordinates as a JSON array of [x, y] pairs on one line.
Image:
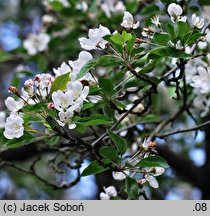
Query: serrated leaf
[[131, 188], [161, 39], [171, 31], [153, 161], [93, 168], [52, 140], [109, 153], [60, 83], [119, 142], [95, 119]]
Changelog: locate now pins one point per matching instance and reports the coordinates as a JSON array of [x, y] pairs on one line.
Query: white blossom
[[95, 39], [63, 69], [128, 21], [77, 65], [202, 80], [36, 43], [29, 86], [48, 19], [77, 89], [43, 82], [174, 10], [197, 21], [14, 126], [13, 105], [119, 175], [62, 100], [201, 103], [2, 119], [151, 172], [104, 196], [156, 20], [110, 6], [109, 192], [83, 6]]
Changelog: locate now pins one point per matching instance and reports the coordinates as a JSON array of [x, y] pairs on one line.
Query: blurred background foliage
[[18, 18]]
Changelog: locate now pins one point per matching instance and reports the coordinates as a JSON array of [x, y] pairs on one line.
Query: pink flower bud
[[51, 106]]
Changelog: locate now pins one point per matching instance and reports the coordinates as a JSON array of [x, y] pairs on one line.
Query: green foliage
[[153, 161], [93, 168], [95, 119], [109, 153], [120, 143], [60, 83], [131, 188], [4, 56]]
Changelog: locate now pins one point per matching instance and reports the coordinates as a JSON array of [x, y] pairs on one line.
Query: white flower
[[128, 21], [156, 20], [48, 19], [66, 118], [83, 6], [14, 126], [77, 65], [109, 7], [13, 105], [197, 22], [77, 89], [63, 69], [119, 175], [174, 10], [29, 86], [43, 82], [202, 103], [151, 172], [95, 39], [36, 43], [2, 119], [104, 196], [62, 100], [202, 80], [109, 192]]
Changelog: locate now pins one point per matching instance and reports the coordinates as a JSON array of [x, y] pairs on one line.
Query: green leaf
[[26, 139], [95, 119], [130, 44], [4, 56], [121, 39], [148, 67], [131, 188], [182, 28], [86, 68], [109, 111], [107, 87], [149, 9], [52, 140], [109, 153], [161, 39], [171, 31], [153, 161], [93, 168], [120, 143], [109, 60], [60, 83]]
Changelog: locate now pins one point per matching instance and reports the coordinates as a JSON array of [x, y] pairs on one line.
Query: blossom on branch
[[128, 21], [95, 40], [109, 193], [36, 43], [14, 126]]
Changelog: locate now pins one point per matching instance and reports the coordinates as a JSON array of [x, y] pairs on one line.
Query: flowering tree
[[136, 83]]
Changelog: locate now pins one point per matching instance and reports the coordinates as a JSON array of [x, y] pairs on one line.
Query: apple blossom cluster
[[36, 43], [68, 102]]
